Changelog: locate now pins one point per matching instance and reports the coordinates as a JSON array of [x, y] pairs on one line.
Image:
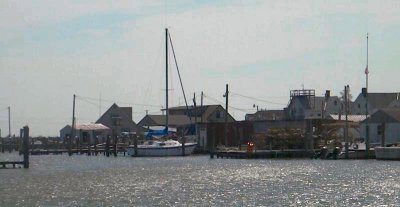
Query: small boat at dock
[[161, 149]]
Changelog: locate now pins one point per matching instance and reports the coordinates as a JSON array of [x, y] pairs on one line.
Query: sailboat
[[168, 147]]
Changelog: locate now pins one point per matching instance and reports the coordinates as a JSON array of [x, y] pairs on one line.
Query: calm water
[[59, 180]]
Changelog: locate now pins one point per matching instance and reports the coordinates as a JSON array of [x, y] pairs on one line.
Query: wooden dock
[[13, 163], [262, 154]]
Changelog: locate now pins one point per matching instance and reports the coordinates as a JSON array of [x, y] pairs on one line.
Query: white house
[[385, 120]]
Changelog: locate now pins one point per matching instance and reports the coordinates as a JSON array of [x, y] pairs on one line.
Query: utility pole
[[201, 104], [226, 114], [195, 116], [346, 129], [9, 122], [72, 128]]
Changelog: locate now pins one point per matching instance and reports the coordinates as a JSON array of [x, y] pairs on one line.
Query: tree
[[349, 96]]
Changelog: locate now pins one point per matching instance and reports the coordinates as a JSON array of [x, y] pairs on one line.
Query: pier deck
[[4, 164], [236, 154]]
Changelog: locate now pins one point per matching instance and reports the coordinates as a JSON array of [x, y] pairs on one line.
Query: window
[[379, 129], [218, 114], [359, 106], [335, 103]]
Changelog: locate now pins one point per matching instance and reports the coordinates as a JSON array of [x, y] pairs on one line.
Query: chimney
[[327, 94], [364, 92]]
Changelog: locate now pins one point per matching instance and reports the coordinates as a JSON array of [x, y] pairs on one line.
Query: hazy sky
[[50, 50]]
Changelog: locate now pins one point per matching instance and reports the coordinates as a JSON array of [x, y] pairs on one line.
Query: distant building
[[375, 101], [266, 115], [119, 120], [179, 116], [387, 119], [305, 105], [86, 132]]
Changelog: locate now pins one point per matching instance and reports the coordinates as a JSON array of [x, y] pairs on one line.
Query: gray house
[[119, 120], [266, 115], [305, 105], [375, 101], [179, 116], [387, 120]]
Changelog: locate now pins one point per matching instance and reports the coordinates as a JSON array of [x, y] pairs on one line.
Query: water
[[59, 180]]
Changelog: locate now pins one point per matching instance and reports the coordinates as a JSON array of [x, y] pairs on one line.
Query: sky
[[108, 51]]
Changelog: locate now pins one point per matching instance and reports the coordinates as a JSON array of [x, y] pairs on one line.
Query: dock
[[12, 163], [262, 154]]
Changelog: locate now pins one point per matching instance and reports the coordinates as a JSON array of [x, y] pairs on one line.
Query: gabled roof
[[89, 127], [159, 120], [385, 115], [266, 115], [352, 118], [204, 111], [380, 100]]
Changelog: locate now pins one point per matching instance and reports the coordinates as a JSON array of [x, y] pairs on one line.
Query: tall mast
[[166, 79]]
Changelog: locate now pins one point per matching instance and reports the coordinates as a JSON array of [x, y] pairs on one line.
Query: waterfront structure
[[119, 120], [384, 124], [375, 101], [266, 115], [87, 132], [304, 104]]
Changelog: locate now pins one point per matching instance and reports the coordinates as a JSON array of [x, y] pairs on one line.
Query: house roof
[[204, 111], [381, 100], [352, 118], [159, 120], [266, 115], [385, 115], [89, 127]]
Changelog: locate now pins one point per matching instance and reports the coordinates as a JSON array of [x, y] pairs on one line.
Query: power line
[[112, 101], [257, 99]]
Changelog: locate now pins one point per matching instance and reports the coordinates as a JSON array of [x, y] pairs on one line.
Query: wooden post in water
[[183, 143], [115, 145], [107, 148], [26, 146], [383, 134], [212, 147], [95, 145], [135, 143]]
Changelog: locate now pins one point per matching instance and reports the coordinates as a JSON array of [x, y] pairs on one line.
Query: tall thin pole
[[226, 115], [9, 122], [72, 128], [99, 105], [366, 108], [346, 130], [166, 79], [201, 104]]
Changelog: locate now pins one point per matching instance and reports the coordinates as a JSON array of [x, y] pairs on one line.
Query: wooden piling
[[135, 144], [26, 146], [95, 145], [107, 148], [115, 146], [183, 143]]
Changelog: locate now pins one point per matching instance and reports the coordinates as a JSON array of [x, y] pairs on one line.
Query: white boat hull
[[149, 151]]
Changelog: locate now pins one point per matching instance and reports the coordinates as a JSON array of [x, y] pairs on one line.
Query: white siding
[[392, 132]]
